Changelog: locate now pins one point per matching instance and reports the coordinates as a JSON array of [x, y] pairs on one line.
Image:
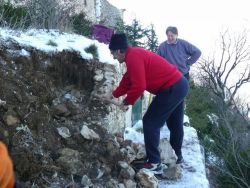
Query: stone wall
[[106, 78], [98, 11], [110, 14]]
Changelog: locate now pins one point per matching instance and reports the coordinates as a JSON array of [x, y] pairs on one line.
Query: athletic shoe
[[155, 168]]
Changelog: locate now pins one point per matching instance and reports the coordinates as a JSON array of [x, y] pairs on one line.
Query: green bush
[[51, 43], [199, 106], [14, 17], [92, 49], [81, 25]]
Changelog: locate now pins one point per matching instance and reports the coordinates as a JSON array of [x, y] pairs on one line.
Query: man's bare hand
[[107, 97], [110, 99], [123, 107]]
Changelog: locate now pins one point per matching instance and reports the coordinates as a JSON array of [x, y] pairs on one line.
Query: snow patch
[[55, 41]]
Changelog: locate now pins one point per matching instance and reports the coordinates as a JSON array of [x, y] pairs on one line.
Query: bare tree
[[49, 14], [231, 71], [230, 148], [224, 75]]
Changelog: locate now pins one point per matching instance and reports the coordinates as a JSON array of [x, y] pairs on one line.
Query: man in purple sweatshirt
[[178, 51], [182, 54]]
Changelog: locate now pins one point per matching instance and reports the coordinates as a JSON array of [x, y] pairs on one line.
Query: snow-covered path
[[193, 171]]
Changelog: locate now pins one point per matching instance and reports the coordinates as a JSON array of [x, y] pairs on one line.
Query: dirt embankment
[[48, 101]]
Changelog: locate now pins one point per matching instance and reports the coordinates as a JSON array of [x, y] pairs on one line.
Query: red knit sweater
[[145, 71]]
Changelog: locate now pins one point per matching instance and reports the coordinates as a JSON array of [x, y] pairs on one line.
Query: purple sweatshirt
[[182, 54]]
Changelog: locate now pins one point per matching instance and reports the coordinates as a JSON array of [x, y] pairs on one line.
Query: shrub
[[199, 106], [92, 49], [51, 43], [13, 17], [81, 25]]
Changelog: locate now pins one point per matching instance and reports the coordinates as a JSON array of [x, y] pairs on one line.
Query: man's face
[[118, 55], [171, 37]]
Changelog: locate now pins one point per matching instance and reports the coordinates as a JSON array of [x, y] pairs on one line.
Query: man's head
[[118, 46], [172, 34]]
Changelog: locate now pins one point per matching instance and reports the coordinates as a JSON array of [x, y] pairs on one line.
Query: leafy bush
[[199, 106], [81, 25], [13, 17], [51, 43], [92, 49]]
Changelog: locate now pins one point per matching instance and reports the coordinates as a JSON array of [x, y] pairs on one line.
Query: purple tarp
[[102, 33]]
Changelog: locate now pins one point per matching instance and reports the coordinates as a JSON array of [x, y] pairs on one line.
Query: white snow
[[24, 53], [213, 118], [55, 41], [186, 120], [192, 155], [98, 10]]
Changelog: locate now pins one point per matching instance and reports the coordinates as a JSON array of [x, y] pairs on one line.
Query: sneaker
[[180, 160], [140, 161], [154, 168]]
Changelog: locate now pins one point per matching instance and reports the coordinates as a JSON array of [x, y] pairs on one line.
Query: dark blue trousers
[[167, 106]]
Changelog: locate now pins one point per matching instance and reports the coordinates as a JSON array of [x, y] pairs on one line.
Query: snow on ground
[[192, 154], [55, 41]]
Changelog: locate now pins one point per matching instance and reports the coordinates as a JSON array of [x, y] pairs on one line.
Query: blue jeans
[[187, 76], [167, 106]]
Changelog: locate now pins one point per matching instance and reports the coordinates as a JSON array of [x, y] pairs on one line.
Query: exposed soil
[[44, 92]]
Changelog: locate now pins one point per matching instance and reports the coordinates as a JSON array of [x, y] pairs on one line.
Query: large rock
[[173, 172], [147, 179], [70, 161], [129, 183], [61, 110], [89, 134], [167, 153], [86, 182], [63, 132], [126, 172], [10, 118]]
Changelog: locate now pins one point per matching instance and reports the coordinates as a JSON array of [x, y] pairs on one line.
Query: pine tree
[[152, 40], [135, 33], [120, 26]]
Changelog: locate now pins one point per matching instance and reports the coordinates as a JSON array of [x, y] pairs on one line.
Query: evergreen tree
[[81, 25], [152, 40], [120, 26], [135, 33]]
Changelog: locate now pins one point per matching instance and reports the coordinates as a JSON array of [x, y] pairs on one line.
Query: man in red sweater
[[148, 71]]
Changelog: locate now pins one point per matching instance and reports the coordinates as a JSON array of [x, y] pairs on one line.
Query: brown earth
[[44, 92]]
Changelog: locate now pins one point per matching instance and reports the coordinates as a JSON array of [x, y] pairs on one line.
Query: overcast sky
[[198, 21]]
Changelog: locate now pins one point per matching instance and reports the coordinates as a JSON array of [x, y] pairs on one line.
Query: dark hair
[[172, 29], [118, 41]]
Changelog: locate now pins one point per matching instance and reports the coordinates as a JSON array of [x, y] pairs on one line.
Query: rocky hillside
[[53, 127], [58, 130]]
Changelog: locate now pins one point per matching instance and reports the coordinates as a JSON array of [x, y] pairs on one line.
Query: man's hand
[[107, 97], [110, 99], [123, 107]]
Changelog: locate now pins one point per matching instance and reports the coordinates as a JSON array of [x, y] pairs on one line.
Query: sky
[[191, 150], [198, 21]]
